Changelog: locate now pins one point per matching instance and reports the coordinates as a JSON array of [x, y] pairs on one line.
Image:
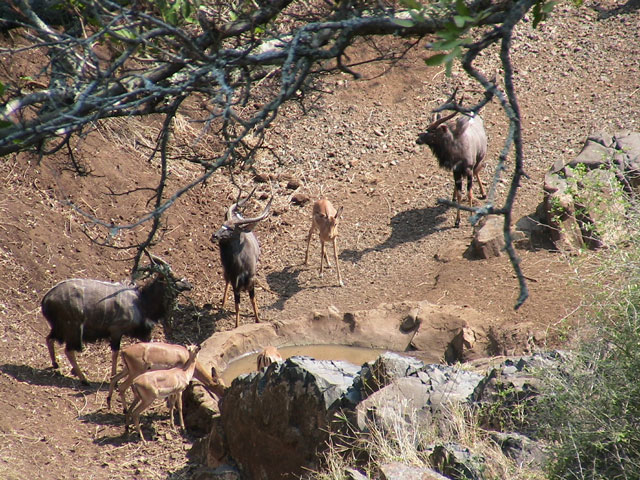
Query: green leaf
[[448, 45], [455, 53], [541, 11], [462, 8], [459, 21], [450, 33], [436, 59], [2, 88], [448, 65], [5, 124], [404, 22], [127, 33]]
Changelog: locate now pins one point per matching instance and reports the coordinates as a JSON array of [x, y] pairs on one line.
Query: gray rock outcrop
[[585, 203], [274, 421]]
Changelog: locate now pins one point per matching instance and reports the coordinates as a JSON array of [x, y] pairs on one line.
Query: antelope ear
[[339, 212], [216, 375], [248, 227]]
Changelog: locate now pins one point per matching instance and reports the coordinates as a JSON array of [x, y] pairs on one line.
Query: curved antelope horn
[[450, 100], [231, 211], [440, 121], [262, 216], [165, 268], [155, 259]]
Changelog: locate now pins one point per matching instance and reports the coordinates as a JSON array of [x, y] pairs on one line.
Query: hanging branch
[[246, 64]]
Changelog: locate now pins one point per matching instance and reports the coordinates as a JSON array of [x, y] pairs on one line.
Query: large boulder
[[456, 462], [275, 421], [488, 238], [399, 390]]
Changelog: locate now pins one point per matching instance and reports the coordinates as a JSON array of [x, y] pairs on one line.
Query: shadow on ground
[[47, 377], [407, 226]]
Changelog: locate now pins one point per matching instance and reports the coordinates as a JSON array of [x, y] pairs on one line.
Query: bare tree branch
[[110, 59]]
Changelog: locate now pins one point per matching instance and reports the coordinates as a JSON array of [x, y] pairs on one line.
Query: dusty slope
[[579, 72]]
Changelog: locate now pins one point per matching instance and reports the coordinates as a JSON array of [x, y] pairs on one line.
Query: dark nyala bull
[[460, 148], [239, 253], [84, 310]]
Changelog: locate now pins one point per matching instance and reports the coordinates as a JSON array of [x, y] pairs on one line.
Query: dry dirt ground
[[579, 72]]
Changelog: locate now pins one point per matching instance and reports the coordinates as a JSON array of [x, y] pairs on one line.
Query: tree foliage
[[121, 58]]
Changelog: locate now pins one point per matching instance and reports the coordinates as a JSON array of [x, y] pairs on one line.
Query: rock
[[559, 208], [457, 349], [294, 184], [520, 448], [450, 251], [353, 474], [199, 409], [412, 392], [593, 155], [398, 403], [276, 420], [384, 370], [434, 340], [512, 387], [449, 385], [584, 200], [456, 462], [534, 230], [262, 178], [401, 471], [300, 199], [488, 238], [412, 321], [225, 472]]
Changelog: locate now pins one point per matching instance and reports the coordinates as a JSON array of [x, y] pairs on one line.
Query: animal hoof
[[55, 366], [341, 283]]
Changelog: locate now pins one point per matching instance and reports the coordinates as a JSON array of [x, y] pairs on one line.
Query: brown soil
[[578, 73]]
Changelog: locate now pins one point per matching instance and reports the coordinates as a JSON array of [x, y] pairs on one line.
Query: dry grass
[[406, 439]]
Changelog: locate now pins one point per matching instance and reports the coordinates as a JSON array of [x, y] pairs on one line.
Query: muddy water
[[355, 355]]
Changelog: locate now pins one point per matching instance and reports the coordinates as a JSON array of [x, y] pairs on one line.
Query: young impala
[[324, 219], [144, 356], [268, 356], [156, 384]]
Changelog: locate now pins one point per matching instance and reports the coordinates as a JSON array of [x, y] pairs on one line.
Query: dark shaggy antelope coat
[[81, 310]]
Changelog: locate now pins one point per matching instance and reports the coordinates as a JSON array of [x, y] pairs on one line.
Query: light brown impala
[[324, 220], [268, 356], [144, 356], [156, 384]]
